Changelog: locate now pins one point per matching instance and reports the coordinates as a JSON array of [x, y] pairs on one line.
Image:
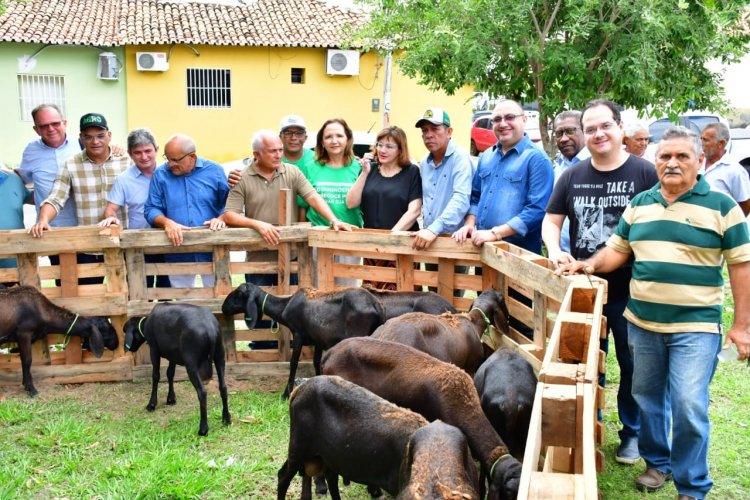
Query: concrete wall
[[262, 93], [84, 93]]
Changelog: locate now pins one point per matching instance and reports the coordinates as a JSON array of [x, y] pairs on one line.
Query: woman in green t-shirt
[[334, 172]]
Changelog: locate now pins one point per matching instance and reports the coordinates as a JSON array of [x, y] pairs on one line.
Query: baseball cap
[[93, 120], [292, 121], [436, 116]]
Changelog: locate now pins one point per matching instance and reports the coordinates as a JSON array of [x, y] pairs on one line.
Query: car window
[[702, 121], [484, 123], [656, 129]]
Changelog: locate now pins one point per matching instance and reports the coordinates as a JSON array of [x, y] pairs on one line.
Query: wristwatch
[[496, 231]]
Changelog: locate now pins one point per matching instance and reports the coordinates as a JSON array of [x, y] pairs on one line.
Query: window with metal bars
[[34, 90], [209, 88]]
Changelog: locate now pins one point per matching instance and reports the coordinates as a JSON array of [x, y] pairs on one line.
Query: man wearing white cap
[[293, 133], [446, 179]]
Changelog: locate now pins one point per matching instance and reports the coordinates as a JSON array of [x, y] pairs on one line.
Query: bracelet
[[496, 231], [335, 221]]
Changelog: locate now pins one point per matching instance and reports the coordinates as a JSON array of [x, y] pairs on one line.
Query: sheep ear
[[252, 311], [96, 343]]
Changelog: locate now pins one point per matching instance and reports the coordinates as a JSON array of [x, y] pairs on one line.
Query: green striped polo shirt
[[678, 248]]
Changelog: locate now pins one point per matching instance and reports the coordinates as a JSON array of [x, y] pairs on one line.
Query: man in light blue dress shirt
[[511, 186], [43, 157], [446, 179]]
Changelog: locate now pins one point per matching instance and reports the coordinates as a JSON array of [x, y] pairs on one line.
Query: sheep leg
[[285, 476], [296, 351], [220, 362], [155, 374], [306, 493], [195, 379], [24, 347], [332, 478], [317, 355], [171, 399], [321, 488]]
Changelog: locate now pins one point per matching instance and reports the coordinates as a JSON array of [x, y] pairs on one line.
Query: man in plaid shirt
[[88, 178]]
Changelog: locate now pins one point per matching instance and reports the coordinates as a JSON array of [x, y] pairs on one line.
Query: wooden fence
[[559, 319]]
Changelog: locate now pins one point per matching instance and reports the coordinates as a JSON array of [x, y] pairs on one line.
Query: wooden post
[[69, 288], [284, 263]]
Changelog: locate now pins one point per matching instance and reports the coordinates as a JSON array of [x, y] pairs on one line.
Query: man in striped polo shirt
[[680, 233]]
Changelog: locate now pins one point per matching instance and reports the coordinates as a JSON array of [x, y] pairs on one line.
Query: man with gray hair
[[721, 171], [636, 138], [130, 190], [254, 201], [187, 191], [679, 233]]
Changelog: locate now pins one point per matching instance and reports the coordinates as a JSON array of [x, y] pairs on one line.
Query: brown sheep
[[453, 338], [435, 389], [438, 464]]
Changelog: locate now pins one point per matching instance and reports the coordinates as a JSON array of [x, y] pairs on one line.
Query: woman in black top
[[388, 190]]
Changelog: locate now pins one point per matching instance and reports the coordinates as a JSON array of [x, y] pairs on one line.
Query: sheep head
[[134, 336], [245, 298], [492, 303], [97, 333], [505, 478]]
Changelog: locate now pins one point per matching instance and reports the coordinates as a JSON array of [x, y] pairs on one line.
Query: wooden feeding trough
[[557, 320]]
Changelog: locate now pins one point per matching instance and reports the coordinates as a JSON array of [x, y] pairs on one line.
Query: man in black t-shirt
[[593, 194]]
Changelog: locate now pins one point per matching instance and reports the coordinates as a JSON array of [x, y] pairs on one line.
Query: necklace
[[385, 173]]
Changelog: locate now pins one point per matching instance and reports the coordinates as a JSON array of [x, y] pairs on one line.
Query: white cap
[[292, 121]]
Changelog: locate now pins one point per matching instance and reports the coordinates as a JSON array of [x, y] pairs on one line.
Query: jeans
[[627, 408], [675, 369]]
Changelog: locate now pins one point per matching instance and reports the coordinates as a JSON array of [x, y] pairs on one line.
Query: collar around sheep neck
[[502, 458], [66, 340], [486, 320], [139, 327]]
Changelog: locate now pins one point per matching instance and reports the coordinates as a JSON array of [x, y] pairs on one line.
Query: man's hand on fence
[[38, 229], [215, 224], [109, 221], [269, 232]]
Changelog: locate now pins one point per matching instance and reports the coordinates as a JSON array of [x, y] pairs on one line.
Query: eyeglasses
[[569, 131], [496, 120], [294, 133], [603, 127], [178, 160], [45, 126], [386, 145], [87, 138]]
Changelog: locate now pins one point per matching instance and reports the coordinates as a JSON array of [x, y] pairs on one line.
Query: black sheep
[[320, 319], [185, 335], [26, 316]]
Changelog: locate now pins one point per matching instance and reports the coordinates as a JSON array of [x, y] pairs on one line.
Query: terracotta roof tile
[[275, 23]]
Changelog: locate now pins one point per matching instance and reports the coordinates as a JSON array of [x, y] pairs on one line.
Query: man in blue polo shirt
[[187, 191], [130, 190]]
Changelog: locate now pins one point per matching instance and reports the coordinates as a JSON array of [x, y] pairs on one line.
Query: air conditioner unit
[[151, 61], [342, 62]]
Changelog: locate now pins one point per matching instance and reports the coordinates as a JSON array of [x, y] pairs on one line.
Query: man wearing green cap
[[446, 179], [87, 177]]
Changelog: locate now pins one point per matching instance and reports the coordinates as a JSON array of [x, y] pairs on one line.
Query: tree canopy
[[644, 54]]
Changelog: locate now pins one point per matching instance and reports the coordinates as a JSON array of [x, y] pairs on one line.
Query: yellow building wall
[[262, 93]]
